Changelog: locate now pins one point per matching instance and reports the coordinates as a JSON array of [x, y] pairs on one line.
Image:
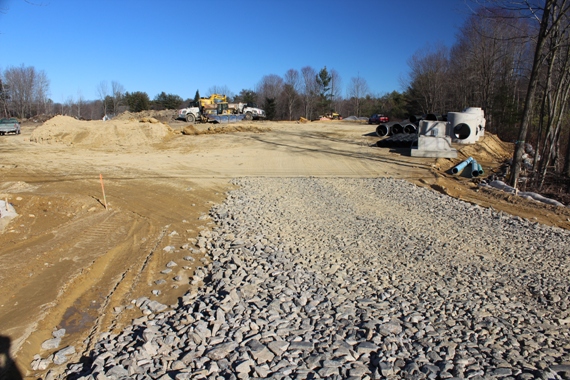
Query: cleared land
[[67, 262]]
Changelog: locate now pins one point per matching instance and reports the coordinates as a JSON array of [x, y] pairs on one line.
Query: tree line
[[24, 94], [308, 93]]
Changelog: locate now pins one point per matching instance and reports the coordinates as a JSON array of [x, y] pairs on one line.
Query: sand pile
[[489, 149], [101, 134], [164, 116]]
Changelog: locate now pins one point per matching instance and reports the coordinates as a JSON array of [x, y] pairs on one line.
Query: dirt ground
[[69, 262]]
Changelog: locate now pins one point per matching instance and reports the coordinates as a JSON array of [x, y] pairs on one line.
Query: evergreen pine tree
[[323, 81]]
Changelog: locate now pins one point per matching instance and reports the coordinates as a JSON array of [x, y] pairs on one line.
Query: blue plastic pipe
[[474, 168], [480, 168], [459, 167]]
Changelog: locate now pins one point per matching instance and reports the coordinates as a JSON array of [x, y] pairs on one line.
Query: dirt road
[[67, 262]]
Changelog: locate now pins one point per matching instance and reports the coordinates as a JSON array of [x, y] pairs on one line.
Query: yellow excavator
[[216, 108], [331, 115]]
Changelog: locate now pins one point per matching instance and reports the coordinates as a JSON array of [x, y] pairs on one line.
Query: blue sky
[[179, 46]]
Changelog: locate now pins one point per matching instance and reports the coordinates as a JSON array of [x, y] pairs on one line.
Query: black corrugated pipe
[[415, 119], [432, 117], [383, 130], [410, 128], [397, 128]]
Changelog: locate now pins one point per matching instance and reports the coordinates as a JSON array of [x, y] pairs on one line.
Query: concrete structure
[[433, 140], [435, 137], [467, 126]]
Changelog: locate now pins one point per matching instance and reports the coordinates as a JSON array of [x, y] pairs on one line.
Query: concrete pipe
[[397, 128], [383, 130], [410, 128], [464, 127], [459, 167], [462, 131]]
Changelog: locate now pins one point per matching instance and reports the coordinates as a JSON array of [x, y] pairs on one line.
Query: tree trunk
[[529, 100], [567, 163]]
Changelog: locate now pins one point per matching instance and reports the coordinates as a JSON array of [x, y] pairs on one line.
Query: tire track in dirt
[[123, 286], [66, 266]]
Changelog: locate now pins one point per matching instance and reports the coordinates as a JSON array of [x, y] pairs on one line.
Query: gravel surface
[[355, 278]]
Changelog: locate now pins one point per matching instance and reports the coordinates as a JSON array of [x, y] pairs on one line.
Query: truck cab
[[10, 125], [251, 111]]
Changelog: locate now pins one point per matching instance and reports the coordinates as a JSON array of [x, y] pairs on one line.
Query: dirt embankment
[[195, 130], [67, 262], [131, 132]]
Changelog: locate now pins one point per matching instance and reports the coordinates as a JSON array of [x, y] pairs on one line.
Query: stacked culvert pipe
[[410, 128], [383, 130], [397, 128]]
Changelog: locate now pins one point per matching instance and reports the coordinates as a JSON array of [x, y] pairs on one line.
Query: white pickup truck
[[247, 111], [9, 125]]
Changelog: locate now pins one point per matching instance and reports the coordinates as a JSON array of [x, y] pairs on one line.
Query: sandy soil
[[66, 261]]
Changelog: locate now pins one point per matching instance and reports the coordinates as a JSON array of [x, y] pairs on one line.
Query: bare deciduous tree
[[270, 86], [357, 89], [27, 90], [222, 90], [118, 93], [429, 69], [555, 95], [291, 89], [79, 103], [41, 93], [103, 92], [68, 106], [538, 60], [309, 90], [486, 64], [3, 97], [268, 90]]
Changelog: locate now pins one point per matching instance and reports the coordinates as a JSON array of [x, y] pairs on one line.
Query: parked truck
[[216, 108], [9, 125]]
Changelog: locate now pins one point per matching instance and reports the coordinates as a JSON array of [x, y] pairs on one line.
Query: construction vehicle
[[331, 115], [216, 109]]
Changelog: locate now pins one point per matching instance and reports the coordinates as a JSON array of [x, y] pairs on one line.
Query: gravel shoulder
[[308, 281]]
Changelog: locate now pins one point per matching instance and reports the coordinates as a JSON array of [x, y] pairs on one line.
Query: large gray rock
[[51, 344], [221, 350]]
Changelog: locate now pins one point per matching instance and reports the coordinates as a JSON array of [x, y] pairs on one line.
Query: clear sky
[[179, 46]]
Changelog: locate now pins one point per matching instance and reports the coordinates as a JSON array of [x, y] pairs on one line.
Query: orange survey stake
[[103, 189]]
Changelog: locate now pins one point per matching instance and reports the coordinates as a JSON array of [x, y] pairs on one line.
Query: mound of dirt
[[488, 151], [163, 116], [194, 130], [101, 134]]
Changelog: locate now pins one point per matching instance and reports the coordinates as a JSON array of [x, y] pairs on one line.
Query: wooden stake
[[103, 188]]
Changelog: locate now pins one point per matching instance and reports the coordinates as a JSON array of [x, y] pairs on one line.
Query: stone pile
[[356, 279]]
